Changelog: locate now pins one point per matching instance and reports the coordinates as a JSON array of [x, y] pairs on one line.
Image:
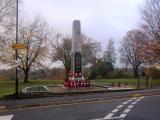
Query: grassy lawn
[[8, 87], [131, 82], [100, 81]]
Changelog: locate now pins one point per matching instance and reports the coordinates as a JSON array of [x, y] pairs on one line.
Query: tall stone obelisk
[[76, 78], [76, 51]]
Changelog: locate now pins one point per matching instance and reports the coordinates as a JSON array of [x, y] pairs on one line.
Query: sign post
[[19, 46], [16, 83]]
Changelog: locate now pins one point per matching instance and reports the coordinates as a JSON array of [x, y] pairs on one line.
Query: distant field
[[8, 87]]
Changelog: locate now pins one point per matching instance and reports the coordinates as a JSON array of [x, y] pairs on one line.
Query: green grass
[[8, 87], [131, 82], [99, 81]]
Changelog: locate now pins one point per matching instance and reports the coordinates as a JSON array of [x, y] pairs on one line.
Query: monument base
[[77, 83]]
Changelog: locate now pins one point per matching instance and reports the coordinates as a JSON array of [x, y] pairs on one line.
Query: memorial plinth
[[76, 78]]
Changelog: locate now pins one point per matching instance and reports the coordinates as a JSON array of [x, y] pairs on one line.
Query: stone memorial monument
[[76, 78]]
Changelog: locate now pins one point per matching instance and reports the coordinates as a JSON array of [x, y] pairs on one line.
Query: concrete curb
[[41, 95]]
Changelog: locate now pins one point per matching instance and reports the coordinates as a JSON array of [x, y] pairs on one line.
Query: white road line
[[134, 98], [6, 117], [127, 110], [124, 103], [113, 118], [120, 106], [137, 100], [130, 100], [123, 115], [141, 97], [109, 116], [130, 106], [133, 103], [115, 110]]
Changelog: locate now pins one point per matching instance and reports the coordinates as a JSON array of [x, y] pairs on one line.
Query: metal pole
[[16, 83], [138, 82]]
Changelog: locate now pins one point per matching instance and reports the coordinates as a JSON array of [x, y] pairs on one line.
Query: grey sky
[[100, 19]]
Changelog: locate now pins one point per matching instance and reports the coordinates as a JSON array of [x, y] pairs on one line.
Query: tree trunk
[[67, 74], [26, 72], [135, 72]]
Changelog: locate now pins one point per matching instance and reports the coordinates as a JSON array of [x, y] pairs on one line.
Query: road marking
[[65, 104], [120, 106], [133, 103], [130, 100], [108, 116], [127, 110], [137, 100], [134, 98], [115, 110], [6, 117], [130, 106], [124, 103], [123, 115], [141, 97], [59, 105]]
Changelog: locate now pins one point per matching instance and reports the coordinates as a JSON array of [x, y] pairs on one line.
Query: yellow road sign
[[19, 46]]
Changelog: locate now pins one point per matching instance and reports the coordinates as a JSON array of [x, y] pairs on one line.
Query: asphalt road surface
[[135, 108]]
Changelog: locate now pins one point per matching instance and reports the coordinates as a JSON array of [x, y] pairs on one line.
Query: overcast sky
[[100, 19]]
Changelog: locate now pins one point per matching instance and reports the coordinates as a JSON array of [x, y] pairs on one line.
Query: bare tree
[[130, 50], [7, 25], [7, 9], [61, 51], [90, 50], [35, 34], [150, 13]]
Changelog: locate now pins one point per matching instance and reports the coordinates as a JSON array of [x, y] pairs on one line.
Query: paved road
[[135, 108]]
